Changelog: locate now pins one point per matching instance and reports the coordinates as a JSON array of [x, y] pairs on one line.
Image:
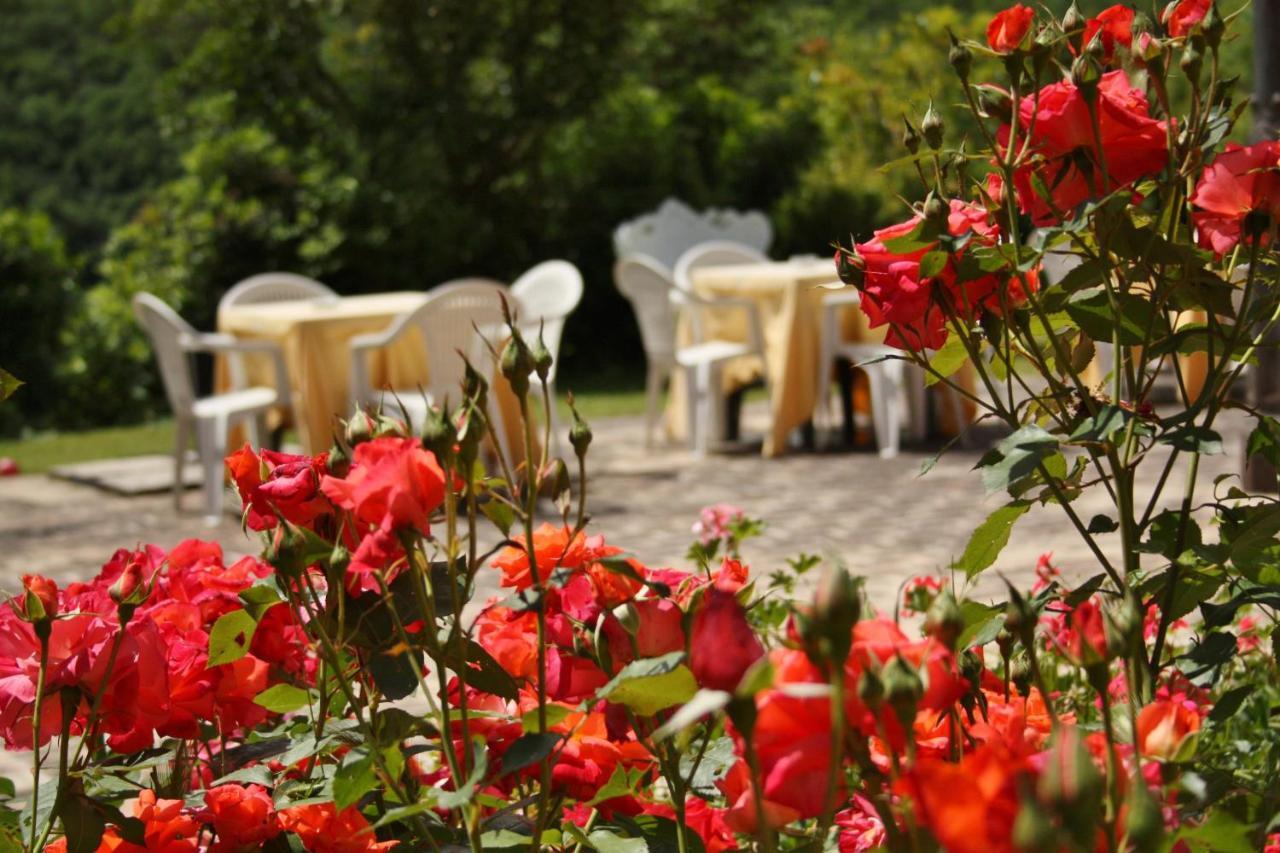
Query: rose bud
[[902, 689], [517, 363], [439, 435], [960, 57], [474, 386], [870, 689], [131, 587], [1163, 726], [932, 127], [723, 646], [995, 103], [40, 602], [338, 460], [580, 433], [360, 428], [944, 621], [910, 136], [1070, 784], [541, 357], [389, 427]]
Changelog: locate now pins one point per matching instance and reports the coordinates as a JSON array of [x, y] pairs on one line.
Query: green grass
[[43, 451], [38, 453]]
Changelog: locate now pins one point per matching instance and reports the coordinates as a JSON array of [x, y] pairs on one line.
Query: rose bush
[[348, 692]]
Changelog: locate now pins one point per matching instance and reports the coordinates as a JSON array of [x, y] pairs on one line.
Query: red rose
[[1181, 17], [324, 829], [393, 483], [1087, 633], [1242, 181], [1067, 157], [278, 483], [45, 592], [894, 293], [659, 631], [1007, 29], [1114, 25], [243, 816], [723, 646]]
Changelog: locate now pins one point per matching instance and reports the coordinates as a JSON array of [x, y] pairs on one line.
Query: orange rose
[[1163, 726], [243, 816]]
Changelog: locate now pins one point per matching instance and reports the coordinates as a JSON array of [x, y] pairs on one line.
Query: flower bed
[[346, 692]]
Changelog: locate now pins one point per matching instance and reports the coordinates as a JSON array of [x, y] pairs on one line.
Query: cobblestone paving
[[879, 516]]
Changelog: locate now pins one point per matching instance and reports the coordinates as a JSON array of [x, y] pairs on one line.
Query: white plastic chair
[[447, 321], [886, 376], [545, 296], [647, 284], [274, 287], [705, 359], [174, 341], [668, 232]]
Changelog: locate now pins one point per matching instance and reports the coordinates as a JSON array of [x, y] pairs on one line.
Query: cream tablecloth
[[788, 296], [314, 336]]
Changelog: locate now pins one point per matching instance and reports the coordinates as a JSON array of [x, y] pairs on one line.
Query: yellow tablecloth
[[788, 297], [314, 336]]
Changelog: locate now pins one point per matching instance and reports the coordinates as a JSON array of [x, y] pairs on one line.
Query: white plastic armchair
[[545, 296], [647, 284], [274, 287], [209, 418], [705, 358], [447, 320]]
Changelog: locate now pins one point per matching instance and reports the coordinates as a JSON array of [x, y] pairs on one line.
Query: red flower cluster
[[1238, 191], [1072, 162], [149, 672], [895, 292]]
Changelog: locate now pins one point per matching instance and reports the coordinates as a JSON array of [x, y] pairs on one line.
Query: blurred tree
[[36, 276], [79, 133]]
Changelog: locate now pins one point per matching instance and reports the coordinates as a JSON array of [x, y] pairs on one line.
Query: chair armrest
[[236, 348], [841, 298], [755, 329]]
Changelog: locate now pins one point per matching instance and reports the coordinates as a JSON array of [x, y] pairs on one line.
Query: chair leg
[[692, 377], [254, 431], [181, 438], [917, 403], [212, 441], [652, 401]]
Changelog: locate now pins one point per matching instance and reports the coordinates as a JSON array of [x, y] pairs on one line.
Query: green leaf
[[704, 702], [1219, 833], [1194, 439], [982, 622], [230, 637], [393, 672], [1099, 428], [501, 839], [1228, 703], [947, 360], [922, 236], [283, 698], [528, 749], [650, 685], [989, 539], [607, 841], [1264, 441], [8, 384], [932, 264], [620, 784], [717, 760], [1091, 310], [454, 799], [500, 514], [83, 823], [356, 776], [261, 596], [556, 714], [1016, 457], [483, 672]]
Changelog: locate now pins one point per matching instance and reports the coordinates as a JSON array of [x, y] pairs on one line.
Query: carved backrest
[[672, 229]]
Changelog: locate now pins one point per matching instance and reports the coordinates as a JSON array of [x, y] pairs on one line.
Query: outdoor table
[[788, 295], [314, 335]]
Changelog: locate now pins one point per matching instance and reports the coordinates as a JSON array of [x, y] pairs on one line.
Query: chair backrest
[[165, 328], [713, 253], [273, 287], [547, 294], [448, 320], [648, 285], [668, 232]]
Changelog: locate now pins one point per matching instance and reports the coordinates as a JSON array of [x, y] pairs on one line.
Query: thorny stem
[[36, 716]]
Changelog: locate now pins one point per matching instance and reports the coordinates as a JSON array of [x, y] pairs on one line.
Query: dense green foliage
[[182, 144]]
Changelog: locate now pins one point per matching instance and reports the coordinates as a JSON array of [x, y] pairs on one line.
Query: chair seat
[[235, 402], [712, 352]]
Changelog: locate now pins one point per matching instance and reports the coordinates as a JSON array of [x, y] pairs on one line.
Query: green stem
[[36, 716]]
